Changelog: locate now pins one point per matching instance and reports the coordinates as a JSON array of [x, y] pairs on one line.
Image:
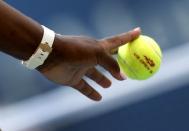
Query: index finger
[[121, 39]]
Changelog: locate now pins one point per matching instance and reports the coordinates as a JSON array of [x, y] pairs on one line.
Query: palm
[[66, 74]]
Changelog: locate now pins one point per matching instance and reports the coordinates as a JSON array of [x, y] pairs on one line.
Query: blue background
[[167, 112], [166, 21]]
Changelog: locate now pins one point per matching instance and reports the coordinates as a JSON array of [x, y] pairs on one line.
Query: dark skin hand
[[72, 57]]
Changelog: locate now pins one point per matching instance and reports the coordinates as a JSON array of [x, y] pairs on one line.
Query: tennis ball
[[140, 59]]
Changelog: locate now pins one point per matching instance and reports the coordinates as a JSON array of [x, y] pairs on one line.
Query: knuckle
[[79, 86], [87, 91], [102, 45], [90, 72], [90, 93], [115, 40], [100, 79], [130, 35]]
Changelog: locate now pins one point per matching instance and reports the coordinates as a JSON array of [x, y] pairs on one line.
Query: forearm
[[19, 35]]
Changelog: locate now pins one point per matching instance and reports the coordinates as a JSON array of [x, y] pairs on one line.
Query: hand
[[74, 57]]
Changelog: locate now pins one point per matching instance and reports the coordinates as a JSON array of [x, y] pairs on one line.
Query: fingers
[[121, 39], [87, 90], [98, 77], [111, 65]]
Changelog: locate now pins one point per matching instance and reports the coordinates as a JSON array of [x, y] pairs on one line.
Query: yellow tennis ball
[[140, 59]]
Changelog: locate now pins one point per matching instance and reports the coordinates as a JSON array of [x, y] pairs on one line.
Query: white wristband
[[43, 50]]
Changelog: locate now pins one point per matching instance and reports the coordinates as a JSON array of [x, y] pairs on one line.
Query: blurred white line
[[70, 106]]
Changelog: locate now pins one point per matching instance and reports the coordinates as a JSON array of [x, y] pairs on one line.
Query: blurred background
[[30, 102]]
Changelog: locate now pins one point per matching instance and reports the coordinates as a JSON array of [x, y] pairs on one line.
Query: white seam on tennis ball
[[155, 50], [129, 67], [133, 70]]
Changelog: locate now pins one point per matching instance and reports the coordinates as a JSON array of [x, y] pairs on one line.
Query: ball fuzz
[[140, 59]]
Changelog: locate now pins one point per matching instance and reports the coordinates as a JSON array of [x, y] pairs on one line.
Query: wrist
[[53, 56], [43, 50]]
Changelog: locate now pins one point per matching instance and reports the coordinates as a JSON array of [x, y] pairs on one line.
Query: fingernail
[[123, 76], [136, 29]]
